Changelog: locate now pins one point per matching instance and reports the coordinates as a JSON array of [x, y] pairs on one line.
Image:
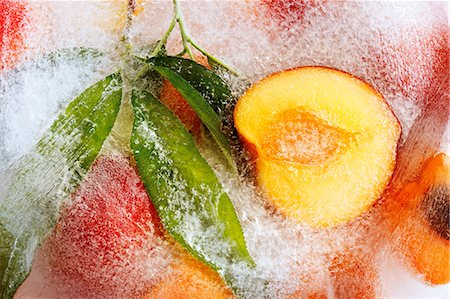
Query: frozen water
[[399, 282], [30, 101], [292, 257], [392, 45], [63, 24], [445, 142], [33, 93]]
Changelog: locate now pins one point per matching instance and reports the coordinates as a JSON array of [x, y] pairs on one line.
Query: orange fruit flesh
[[354, 275], [301, 137], [190, 279], [324, 143], [425, 247]]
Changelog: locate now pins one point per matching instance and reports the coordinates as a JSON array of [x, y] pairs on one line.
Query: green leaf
[[45, 178], [206, 82], [203, 109], [190, 200], [209, 86]]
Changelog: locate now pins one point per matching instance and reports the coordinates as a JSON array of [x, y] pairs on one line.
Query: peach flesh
[[323, 143], [302, 137]]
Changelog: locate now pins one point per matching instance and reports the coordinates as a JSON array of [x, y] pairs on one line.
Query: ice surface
[[392, 45], [37, 89], [292, 257], [61, 24], [445, 142], [399, 282], [33, 94]]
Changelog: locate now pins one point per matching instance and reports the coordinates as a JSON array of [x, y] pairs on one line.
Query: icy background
[[401, 48]]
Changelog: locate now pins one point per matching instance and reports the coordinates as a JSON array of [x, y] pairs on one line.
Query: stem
[[164, 39], [142, 72], [216, 60], [181, 53], [183, 31], [126, 30], [187, 40], [142, 59], [186, 46], [126, 45]]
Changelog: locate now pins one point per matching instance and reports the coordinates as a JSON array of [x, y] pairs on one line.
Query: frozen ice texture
[[34, 93], [392, 45], [38, 87]]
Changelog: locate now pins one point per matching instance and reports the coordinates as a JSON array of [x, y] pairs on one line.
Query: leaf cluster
[[181, 184]]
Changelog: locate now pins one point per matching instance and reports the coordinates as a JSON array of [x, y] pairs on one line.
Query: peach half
[[190, 279], [323, 142], [419, 221]]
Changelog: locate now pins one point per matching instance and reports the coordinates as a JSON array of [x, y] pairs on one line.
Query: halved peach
[[323, 141], [419, 219], [190, 279]]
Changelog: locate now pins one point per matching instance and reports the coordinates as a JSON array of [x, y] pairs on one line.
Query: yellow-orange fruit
[[312, 283], [354, 275], [324, 143], [190, 279], [419, 218], [321, 295]]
